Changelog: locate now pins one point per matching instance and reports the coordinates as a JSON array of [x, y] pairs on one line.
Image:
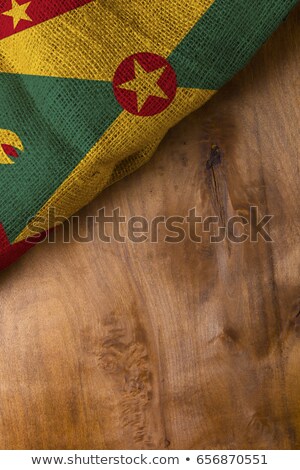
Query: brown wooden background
[[161, 345]]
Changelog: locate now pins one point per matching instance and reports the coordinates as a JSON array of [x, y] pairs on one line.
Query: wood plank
[[187, 345]]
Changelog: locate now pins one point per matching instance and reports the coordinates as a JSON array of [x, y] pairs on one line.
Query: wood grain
[[156, 345]]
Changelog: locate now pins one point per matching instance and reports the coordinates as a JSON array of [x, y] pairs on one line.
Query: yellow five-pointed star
[[18, 12], [145, 84]]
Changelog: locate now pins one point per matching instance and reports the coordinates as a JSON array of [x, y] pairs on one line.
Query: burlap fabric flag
[[88, 88]]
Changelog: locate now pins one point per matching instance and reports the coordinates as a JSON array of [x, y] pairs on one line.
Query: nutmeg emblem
[[9, 144]]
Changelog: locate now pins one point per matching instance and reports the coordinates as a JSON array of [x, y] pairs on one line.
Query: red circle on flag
[[145, 84]]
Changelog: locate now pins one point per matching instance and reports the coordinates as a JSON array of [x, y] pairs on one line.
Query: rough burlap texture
[[58, 97]]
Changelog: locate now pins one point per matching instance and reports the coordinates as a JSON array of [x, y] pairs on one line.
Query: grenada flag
[[88, 88]]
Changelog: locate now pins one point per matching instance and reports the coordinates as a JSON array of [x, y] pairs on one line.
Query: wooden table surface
[[179, 345]]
